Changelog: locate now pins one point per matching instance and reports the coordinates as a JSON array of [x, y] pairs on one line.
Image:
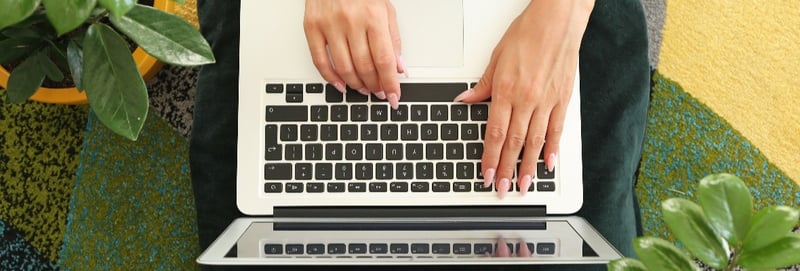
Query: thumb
[[482, 91]]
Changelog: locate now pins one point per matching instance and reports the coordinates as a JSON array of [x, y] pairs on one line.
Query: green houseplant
[[79, 42], [721, 231]]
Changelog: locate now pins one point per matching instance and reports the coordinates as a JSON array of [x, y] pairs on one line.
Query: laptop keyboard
[[400, 249], [319, 140]]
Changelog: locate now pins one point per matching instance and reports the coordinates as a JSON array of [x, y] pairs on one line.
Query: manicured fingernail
[[363, 91], [503, 187], [381, 95], [488, 178], [394, 101], [551, 162], [340, 87], [463, 95], [403, 67], [525, 184]]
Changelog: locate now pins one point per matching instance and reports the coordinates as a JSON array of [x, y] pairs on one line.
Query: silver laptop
[[333, 179]]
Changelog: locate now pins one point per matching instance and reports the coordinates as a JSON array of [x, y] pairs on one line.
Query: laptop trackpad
[[432, 32]]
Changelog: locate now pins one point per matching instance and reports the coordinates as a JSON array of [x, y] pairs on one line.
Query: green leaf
[[116, 91], [769, 225], [50, 69], [66, 15], [15, 49], [728, 205], [118, 7], [75, 61], [26, 78], [782, 253], [14, 11], [685, 219], [658, 254], [626, 264], [165, 36]]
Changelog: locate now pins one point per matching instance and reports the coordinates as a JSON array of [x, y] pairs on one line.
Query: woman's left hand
[[529, 78]]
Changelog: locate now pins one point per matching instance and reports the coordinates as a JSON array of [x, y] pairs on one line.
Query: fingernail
[[503, 187], [403, 67], [363, 91], [525, 184], [340, 87], [551, 162], [381, 95], [488, 178], [463, 95], [394, 101]]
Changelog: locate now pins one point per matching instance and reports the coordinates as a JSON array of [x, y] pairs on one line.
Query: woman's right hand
[[356, 43]]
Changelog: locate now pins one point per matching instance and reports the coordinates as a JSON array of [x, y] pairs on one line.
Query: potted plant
[[78, 42], [721, 231]]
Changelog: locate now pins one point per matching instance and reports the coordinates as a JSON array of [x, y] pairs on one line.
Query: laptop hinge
[[407, 211]]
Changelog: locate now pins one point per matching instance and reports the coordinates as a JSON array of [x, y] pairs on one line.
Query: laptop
[[342, 179]]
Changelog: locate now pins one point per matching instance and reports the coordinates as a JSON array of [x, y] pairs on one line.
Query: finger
[[502, 249], [553, 138], [482, 90], [394, 32], [342, 61], [495, 135], [362, 60], [384, 59], [523, 250], [515, 139], [533, 144], [321, 59]]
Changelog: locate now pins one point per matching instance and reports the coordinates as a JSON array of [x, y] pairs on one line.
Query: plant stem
[[733, 264]]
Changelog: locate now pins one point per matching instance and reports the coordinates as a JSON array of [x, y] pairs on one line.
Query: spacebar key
[[287, 113], [430, 92]]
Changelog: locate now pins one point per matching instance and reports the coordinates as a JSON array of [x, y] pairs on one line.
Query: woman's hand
[[530, 79], [357, 43]]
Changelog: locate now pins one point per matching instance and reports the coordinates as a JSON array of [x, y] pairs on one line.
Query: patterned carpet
[[74, 196]]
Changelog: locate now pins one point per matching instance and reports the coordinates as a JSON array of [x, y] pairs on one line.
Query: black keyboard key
[[531, 249], [314, 152], [474, 151], [378, 187], [273, 187], [356, 187], [429, 132], [359, 112], [273, 249], [440, 187], [379, 112], [274, 88], [431, 92], [483, 131], [315, 249], [294, 152], [378, 248], [373, 151], [294, 97], [479, 187], [479, 112], [335, 187], [459, 112], [339, 113], [333, 152], [271, 135], [465, 171], [349, 132], [479, 171], [483, 248], [294, 88], [353, 151], [398, 248], [384, 171], [273, 153], [419, 113], [364, 171], [470, 132], [277, 171], [344, 171], [545, 248], [323, 171], [414, 151], [357, 248], [294, 188], [462, 187], [394, 152], [289, 132], [332, 95], [315, 187], [303, 171], [389, 132], [329, 132], [440, 248], [455, 151], [283, 113], [434, 151], [462, 249], [354, 96], [409, 132], [369, 132], [420, 248], [398, 187], [319, 113], [449, 131], [439, 112], [309, 132], [546, 186], [424, 171], [401, 114], [314, 88], [444, 171], [542, 172], [405, 171], [337, 248], [420, 187], [294, 249]]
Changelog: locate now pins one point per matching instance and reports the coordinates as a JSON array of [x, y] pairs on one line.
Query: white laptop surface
[[315, 166]]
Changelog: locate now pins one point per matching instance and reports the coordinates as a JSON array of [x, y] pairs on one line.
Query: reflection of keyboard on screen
[[321, 141], [469, 248]]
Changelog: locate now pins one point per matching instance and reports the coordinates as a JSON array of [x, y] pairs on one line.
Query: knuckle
[[495, 134], [384, 61], [515, 140], [535, 140]]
